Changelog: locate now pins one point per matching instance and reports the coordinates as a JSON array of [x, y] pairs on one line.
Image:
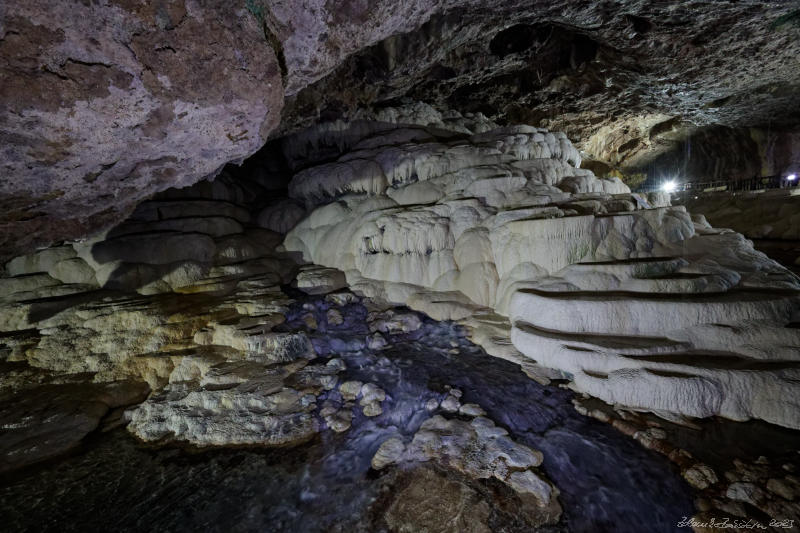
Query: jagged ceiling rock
[[104, 104], [626, 81]]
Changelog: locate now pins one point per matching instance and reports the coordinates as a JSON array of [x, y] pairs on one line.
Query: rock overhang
[[143, 101]]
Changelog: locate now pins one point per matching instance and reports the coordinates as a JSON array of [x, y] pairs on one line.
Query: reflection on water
[[607, 481]]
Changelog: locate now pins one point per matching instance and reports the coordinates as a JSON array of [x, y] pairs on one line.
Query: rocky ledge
[[174, 325], [633, 301]]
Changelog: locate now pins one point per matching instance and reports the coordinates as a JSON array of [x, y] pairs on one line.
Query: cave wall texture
[[105, 103]]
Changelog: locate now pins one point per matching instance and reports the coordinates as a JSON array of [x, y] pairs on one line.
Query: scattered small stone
[[600, 415], [371, 393], [471, 409], [341, 298], [340, 421], [376, 341], [454, 392], [579, 408], [450, 404], [680, 457], [624, 427], [337, 363], [432, 404], [334, 317], [372, 409], [746, 492], [652, 443], [328, 409], [389, 452], [392, 322], [781, 488], [700, 476], [310, 321], [350, 389]]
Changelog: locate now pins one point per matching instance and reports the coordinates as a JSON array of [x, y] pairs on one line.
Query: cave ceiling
[[105, 103]]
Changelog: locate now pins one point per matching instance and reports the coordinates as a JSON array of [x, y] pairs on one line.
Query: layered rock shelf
[[632, 300]]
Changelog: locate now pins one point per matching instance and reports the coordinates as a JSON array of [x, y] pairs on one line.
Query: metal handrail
[[751, 184]]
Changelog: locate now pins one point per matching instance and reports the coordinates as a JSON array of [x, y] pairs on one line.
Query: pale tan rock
[[371, 393], [455, 509], [700, 476], [390, 451], [471, 409], [350, 389], [781, 488], [320, 280], [371, 408], [340, 420], [40, 261], [334, 317]]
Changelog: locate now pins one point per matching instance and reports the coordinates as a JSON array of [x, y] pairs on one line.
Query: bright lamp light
[[791, 177], [669, 186]]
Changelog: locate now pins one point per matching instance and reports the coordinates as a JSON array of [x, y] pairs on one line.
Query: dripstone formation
[[634, 301]]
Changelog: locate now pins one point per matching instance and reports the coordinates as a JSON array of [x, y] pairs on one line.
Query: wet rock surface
[[251, 378], [42, 421], [333, 472], [634, 301], [741, 472]]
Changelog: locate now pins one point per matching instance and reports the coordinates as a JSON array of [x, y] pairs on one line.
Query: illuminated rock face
[[635, 302], [104, 104]]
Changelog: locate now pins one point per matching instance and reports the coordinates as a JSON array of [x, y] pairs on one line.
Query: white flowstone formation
[[182, 297], [633, 300]]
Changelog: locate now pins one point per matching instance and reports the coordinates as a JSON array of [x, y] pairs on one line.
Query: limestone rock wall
[[104, 105], [767, 215], [174, 310], [635, 301]]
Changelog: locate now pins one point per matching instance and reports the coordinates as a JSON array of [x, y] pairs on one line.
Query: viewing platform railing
[[752, 184]]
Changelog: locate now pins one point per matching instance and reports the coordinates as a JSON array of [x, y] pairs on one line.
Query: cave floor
[[608, 482]]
